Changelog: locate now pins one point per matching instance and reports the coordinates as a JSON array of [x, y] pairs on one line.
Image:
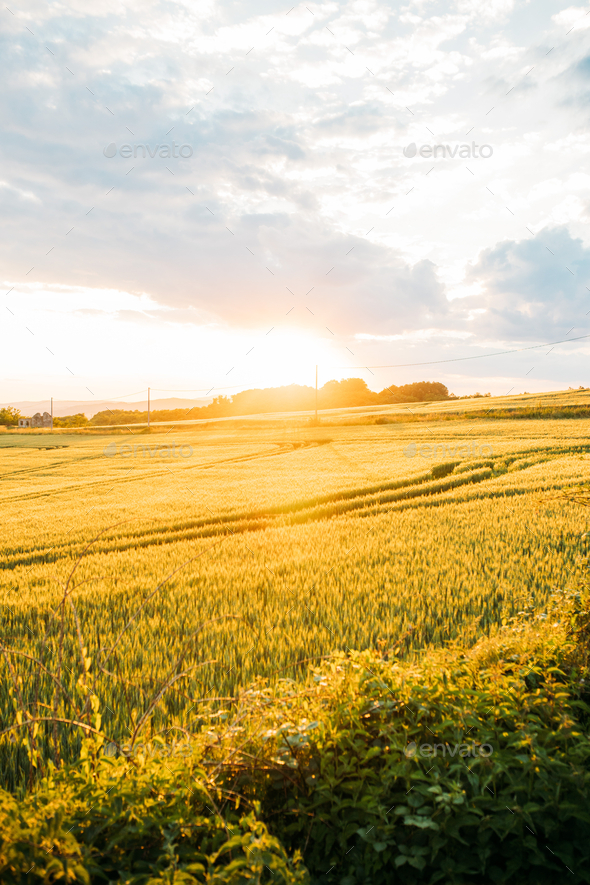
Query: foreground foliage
[[326, 781]]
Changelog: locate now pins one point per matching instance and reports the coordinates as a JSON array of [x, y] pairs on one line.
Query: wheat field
[[252, 547]]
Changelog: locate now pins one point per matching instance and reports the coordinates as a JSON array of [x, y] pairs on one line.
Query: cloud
[[533, 290], [297, 182]]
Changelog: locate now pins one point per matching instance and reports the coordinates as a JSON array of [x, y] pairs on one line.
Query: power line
[[110, 398], [196, 390], [460, 359]]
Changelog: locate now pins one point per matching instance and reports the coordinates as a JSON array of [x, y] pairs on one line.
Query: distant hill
[[61, 408]]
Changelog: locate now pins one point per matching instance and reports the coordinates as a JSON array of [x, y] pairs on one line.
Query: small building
[[41, 420], [38, 420]]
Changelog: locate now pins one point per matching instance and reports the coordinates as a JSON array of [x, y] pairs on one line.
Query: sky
[[204, 197]]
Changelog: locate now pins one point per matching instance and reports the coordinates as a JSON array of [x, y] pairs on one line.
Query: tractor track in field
[[285, 448], [422, 490]]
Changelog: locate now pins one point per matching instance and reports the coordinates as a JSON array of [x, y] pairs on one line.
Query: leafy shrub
[[78, 420], [142, 822], [374, 814], [327, 771], [9, 416]]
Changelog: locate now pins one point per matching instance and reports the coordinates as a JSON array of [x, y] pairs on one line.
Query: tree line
[[347, 393]]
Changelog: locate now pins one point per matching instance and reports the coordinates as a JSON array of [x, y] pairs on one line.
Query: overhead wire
[[460, 359]]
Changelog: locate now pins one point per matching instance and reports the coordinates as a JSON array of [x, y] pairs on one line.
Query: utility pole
[[148, 406], [316, 394], [52, 413]]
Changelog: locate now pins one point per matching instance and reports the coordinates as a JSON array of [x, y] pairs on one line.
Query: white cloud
[[572, 16], [297, 159]]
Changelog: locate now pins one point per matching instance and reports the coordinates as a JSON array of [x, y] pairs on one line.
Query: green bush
[[377, 812], [140, 822], [467, 767], [79, 420], [9, 416]]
